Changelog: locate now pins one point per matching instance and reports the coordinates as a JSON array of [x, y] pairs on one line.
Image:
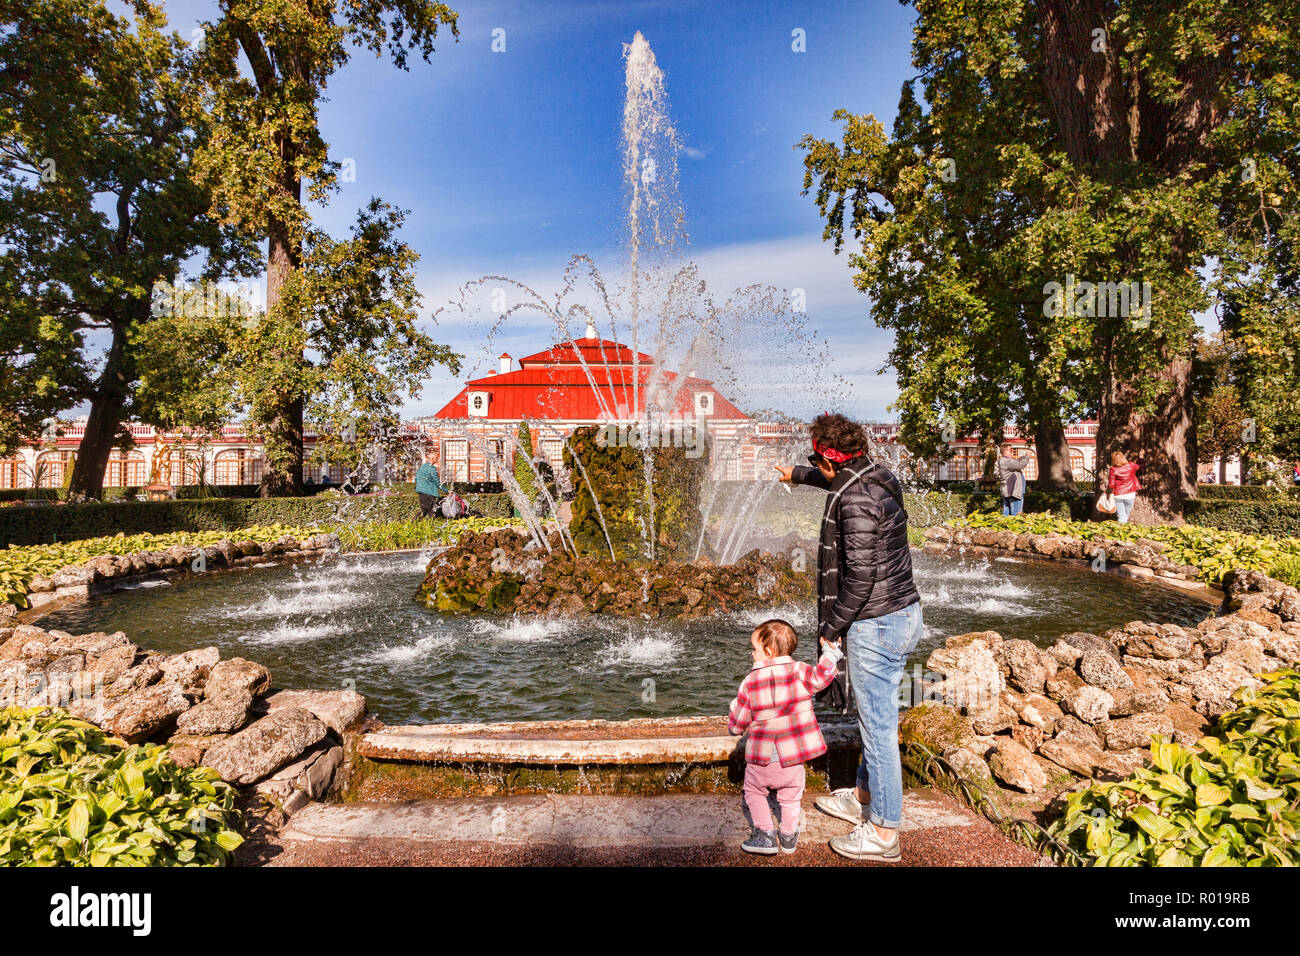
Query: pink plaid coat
[[775, 706]]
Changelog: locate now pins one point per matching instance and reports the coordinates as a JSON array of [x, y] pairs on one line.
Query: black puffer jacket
[[864, 566]]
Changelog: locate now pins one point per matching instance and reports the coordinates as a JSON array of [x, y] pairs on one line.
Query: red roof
[[552, 385]]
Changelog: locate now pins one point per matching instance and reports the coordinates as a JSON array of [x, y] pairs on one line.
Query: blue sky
[[509, 162]]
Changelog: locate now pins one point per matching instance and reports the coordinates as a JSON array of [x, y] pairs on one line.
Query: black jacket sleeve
[[803, 475], [859, 531]]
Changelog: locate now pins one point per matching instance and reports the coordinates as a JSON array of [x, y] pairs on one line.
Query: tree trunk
[[1053, 453], [1223, 469], [284, 428], [1164, 439], [107, 411]]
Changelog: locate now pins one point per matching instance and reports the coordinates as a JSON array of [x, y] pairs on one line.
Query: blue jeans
[[1123, 507], [1012, 506], [877, 654]]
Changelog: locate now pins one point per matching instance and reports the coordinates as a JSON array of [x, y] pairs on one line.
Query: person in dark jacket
[[865, 592], [428, 485]]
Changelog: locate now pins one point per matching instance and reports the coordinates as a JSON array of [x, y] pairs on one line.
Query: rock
[[1089, 642], [1026, 667], [1067, 655], [1129, 732], [988, 638], [313, 773], [134, 678], [1189, 726], [1165, 641], [1248, 652], [1041, 712], [1015, 766], [113, 663], [1103, 670], [1079, 757], [187, 750], [973, 679], [1213, 686], [22, 637], [1073, 729], [1031, 738], [1260, 616], [220, 714], [993, 719], [74, 575], [936, 726], [1169, 670], [265, 745], [1063, 683], [1090, 704], [143, 713], [1138, 700], [237, 674], [1282, 646], [970, 765], [92, 645], [338, 709]]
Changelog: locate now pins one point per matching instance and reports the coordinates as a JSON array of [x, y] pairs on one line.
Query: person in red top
[[1124, 484], [775, 705]]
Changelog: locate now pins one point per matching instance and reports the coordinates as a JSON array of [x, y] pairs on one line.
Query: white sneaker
[[841, 803], [865, 844]]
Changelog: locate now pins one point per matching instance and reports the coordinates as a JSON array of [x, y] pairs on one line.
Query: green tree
[[267, 142], [1096, 140], [96, 206]]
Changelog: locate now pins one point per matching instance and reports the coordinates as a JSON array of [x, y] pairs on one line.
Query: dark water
[[352, 623]]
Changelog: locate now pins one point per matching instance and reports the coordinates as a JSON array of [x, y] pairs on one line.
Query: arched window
[[124, 470], [1031, 469], [13, 473], [1077, 465], [182, 467], [51, 466], [238, 466]]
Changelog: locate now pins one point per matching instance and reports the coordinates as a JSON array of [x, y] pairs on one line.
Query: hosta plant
[[1233, 800], [70, 794]]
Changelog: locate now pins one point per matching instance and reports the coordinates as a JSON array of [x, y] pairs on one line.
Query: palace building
[[587, 381]]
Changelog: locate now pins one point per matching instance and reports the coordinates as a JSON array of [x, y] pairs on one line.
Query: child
[[775, 705]]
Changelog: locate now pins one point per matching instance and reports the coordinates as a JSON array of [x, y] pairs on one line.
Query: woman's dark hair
[[840, 433]]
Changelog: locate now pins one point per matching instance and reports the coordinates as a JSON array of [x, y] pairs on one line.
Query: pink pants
[[788, 782]]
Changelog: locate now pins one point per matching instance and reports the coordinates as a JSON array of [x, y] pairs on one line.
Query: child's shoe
[[789, 841], [761, 841]]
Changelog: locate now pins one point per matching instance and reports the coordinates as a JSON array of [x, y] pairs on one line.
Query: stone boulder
[[1079, 756], [134, 678], [337, 709], [1041, 712], [992, 719], [1062, 684], [1014, 765], [1089, 642], [973, 679], [936, 726], [143, 713], [1126, 733], [187, 750], [969, 764], [1138, 700], [1103, 670], [1024, 662], [1090, 704], [221, 714], [265, 745], [1213, 686], [237, 674], [1189, 726], [112, 664]]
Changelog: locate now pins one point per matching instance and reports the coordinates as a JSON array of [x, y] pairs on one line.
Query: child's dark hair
[[840, 433], [778, 637]]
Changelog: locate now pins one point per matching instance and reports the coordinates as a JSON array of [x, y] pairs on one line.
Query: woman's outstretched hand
[[786, 472]]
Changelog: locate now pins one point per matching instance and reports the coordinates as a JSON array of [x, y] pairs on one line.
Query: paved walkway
[[551, 829]]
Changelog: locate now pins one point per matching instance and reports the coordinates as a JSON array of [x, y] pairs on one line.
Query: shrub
[[72, 795], [1230, 801], [1281, 518], [1247, 492]]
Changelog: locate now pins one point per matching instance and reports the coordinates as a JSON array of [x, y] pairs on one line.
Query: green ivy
[[70, 794], [1231, 801]]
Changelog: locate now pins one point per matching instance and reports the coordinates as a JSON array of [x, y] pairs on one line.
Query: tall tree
[[267, 141], [96, 205], [1065, 147]]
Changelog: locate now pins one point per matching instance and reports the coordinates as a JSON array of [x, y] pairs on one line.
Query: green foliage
[[72, 795], [524, 476], [1269, 517], [1212, 551], [1248, 493], [1230, 801], [1287, 570], [412, 533], [618, 477], [24, 526], [18, 565]]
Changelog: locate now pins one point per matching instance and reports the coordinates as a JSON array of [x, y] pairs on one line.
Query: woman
[[865, 591], [1011, 478], [1124, 484], [428, 485]]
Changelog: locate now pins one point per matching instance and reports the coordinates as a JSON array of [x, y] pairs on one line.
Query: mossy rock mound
[[503, 572], [616, 471], [936, 726]]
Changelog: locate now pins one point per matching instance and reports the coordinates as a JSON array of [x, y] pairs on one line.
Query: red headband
[[830, 454]]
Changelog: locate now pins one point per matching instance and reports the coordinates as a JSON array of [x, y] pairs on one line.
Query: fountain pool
[[350, 622]]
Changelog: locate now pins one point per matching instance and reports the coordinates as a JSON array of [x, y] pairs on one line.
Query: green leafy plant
[[70, 794], [1231, 801], [413, 533]]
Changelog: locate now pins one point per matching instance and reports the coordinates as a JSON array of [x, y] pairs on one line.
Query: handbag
[[1106, 502]]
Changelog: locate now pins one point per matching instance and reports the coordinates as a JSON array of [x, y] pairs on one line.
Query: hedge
[[43, 524], [1247, 492], [1278, 518]]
